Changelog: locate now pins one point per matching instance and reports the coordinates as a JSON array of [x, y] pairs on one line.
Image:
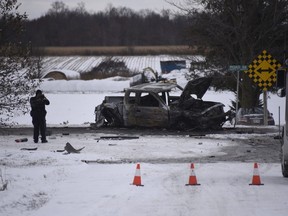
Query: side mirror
[[281, 92]]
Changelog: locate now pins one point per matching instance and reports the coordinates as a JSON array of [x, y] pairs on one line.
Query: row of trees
[[121, 26]]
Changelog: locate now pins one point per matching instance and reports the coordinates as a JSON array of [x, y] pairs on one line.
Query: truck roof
[[154, 87]]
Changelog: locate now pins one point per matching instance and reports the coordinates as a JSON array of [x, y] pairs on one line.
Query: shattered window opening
[[148, 100], [163, 96], [132, 98]]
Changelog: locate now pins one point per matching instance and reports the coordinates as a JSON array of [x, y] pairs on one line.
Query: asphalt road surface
[[255, 148]]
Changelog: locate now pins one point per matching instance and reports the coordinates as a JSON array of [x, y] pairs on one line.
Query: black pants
[[39, 123]]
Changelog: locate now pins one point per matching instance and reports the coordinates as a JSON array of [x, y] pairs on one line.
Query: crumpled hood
[[197, 87]]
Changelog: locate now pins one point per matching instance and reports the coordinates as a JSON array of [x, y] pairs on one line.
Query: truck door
[[151, 111], [129, 109]]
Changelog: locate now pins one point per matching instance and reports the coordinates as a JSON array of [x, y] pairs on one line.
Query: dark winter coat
[[38, 105]]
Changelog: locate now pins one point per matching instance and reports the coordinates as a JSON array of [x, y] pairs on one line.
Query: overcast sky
[[37, 8]]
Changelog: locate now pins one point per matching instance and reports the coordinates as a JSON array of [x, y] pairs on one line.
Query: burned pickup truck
[[153, 105]]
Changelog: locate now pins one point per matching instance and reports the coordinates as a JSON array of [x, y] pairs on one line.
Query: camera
[[41, 97]]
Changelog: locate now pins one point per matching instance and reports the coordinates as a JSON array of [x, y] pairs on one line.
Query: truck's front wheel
[[181, 125], [284, 171], [284, 165]]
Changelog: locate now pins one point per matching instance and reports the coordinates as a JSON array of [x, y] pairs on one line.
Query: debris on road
[[70, 149], [21, 140], [117, 138], [29, 149]]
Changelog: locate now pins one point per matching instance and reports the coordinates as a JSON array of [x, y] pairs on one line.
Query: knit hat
[[38, 92]]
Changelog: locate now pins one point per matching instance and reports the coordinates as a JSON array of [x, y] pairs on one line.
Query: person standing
[[38, 114]]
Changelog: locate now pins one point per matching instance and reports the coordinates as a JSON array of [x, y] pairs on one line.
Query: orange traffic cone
[[137, 177], [256, 177], [192, 177]]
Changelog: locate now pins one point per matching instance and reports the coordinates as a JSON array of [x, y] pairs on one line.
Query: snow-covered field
[[47, 182]]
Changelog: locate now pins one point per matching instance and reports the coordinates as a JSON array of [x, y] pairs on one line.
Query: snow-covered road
[[45, 182]]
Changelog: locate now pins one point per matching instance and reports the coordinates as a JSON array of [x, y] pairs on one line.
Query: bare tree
[[234, 32], [17, 67], [58, 7], [80, 9]]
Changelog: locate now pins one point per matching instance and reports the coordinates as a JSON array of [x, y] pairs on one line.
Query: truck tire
[[181, 125], [283, 166], [284, 170]]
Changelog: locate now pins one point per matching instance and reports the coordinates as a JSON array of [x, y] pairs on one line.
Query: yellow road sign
[[263, 70]]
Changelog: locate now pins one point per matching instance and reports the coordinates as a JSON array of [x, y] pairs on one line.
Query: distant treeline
[[121, 26]]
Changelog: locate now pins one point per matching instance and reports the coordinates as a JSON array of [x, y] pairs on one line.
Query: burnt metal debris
[[153, 105]]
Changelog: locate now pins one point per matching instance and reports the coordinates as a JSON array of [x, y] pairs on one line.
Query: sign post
[[263, 72], [237, 68], [265, 107]]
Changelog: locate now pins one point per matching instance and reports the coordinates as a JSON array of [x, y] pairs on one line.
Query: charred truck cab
[[282, 84], [152, 105]]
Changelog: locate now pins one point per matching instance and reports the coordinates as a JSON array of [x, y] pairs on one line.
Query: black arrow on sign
[[269, 70]]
